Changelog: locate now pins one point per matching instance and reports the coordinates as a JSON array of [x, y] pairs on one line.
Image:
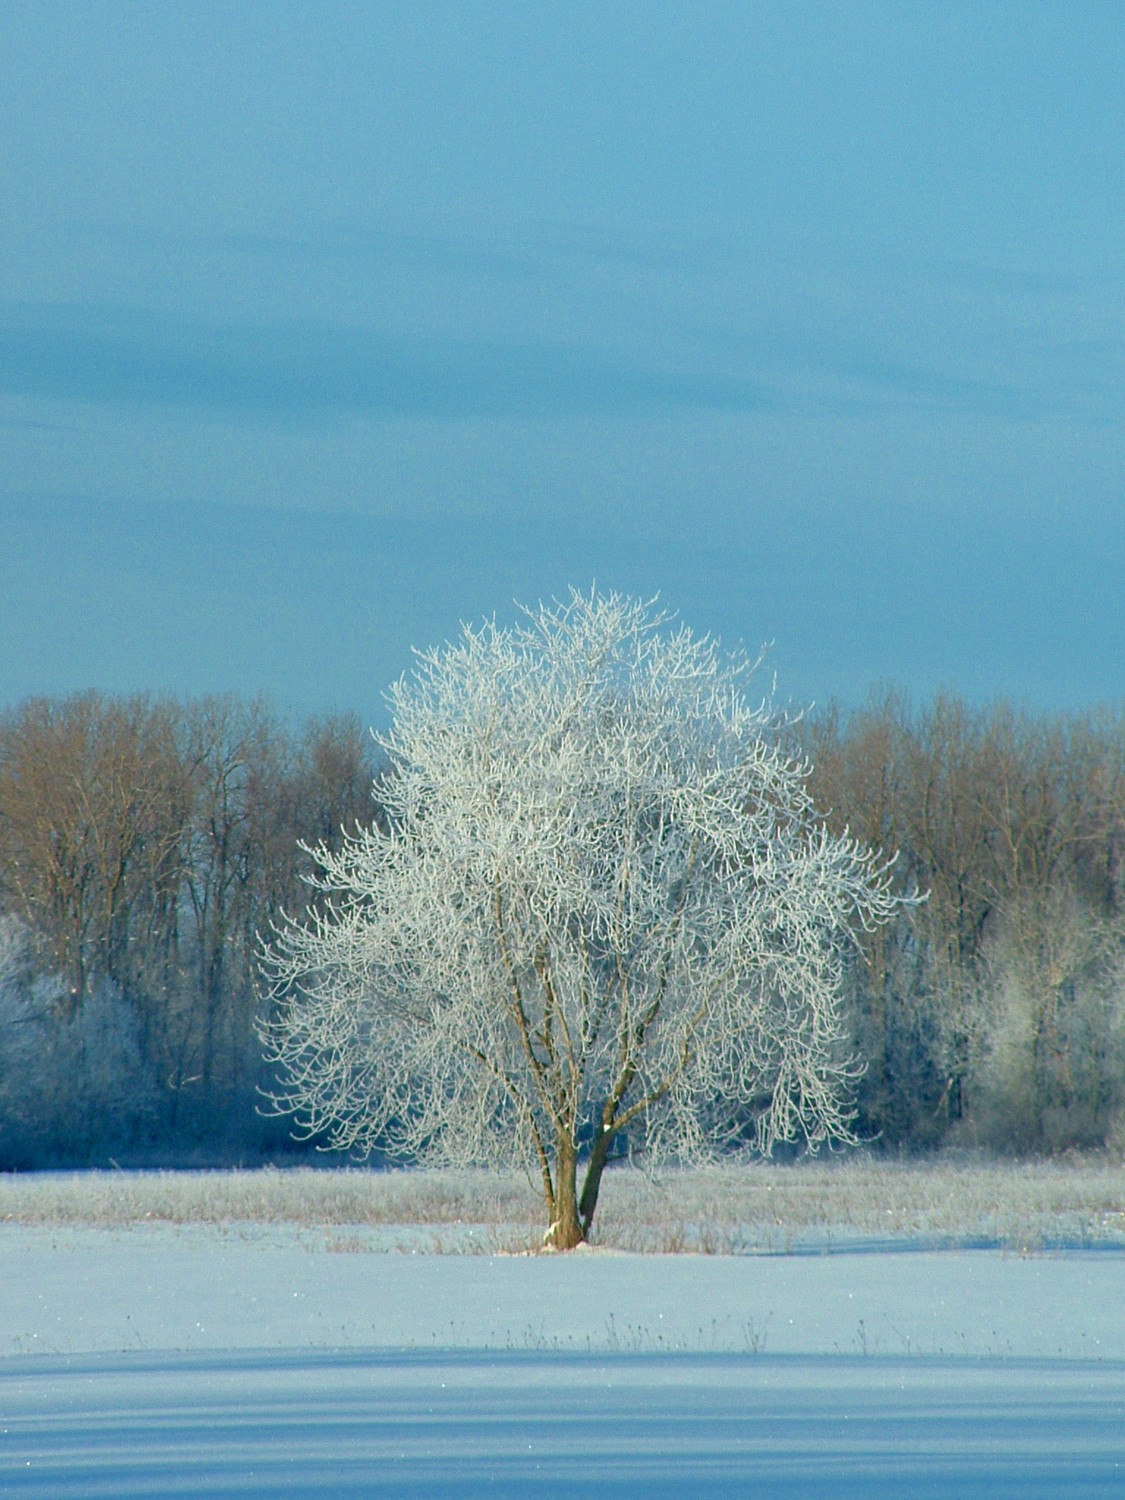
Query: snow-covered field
[[147, 1290], [261, 1358], [386, 1423]]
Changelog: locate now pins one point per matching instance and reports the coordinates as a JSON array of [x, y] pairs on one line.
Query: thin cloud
[[416, 249], [1037, 398], [303, 370]]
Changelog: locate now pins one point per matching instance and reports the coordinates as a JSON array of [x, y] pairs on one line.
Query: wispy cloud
[[309, 370], [31, 424], [421, 250], [934, 389]]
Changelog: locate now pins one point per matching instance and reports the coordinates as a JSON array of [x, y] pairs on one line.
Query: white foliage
[[66, 1077], [1051, 1064], [14, 951], [605, 903]]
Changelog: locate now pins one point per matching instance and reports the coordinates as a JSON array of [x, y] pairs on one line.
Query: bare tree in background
[[603, 913], [92, 817]]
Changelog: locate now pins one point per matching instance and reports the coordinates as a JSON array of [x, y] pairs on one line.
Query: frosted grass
[[732, 1209]]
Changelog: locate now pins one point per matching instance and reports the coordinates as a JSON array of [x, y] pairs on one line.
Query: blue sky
[[324, 327]]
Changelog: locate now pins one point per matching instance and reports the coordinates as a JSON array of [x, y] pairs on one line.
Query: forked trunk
[[572, 1216]]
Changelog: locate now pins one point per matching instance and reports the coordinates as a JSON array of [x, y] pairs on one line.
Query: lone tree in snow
[[601, 913]]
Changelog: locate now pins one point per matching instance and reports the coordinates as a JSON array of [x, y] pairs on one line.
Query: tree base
[[563, 1236]]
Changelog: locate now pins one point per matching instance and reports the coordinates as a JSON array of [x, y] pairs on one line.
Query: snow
[[264, 1361], [79, 1291], [309, 1423]]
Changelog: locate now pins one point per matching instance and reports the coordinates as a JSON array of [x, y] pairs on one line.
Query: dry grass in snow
[[733, 1209]]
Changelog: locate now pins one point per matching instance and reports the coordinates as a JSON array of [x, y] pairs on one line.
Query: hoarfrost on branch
[[601, 913]]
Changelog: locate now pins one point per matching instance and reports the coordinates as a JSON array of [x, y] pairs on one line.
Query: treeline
[[995, 1014], [145, 845]]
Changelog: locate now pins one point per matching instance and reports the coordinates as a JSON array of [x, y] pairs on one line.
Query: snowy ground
[[263, 1361], [381, 1423], [148, 1290]]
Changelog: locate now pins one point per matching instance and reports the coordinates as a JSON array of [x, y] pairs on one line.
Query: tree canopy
[[601, 913]]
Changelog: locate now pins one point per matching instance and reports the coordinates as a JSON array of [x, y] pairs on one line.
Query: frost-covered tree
[[1052, 1069], [74, 1084], [600, 913]]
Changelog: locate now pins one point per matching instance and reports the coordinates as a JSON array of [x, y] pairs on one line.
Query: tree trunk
[[566, 1228], [594, 1169]]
